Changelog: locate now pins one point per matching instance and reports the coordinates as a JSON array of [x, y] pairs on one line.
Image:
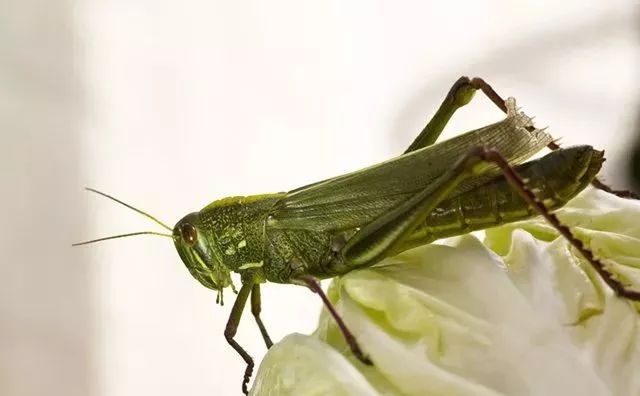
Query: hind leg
[[385, 234], [479, 83]]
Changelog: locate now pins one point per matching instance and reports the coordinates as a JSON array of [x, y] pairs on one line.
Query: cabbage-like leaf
[[522, 314]]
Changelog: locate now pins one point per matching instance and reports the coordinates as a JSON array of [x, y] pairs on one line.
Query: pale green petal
[[302, 365], [459, 319]]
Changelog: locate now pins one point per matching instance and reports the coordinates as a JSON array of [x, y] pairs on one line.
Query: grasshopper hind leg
[[519, 185], [489, 92], [459, 95], [386, 234]]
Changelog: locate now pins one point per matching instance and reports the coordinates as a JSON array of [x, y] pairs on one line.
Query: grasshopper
[[471, 182]]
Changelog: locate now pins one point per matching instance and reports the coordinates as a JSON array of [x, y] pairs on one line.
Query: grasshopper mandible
[[470, 182]]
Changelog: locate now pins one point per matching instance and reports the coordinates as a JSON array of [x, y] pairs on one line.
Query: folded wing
[[352, 200]]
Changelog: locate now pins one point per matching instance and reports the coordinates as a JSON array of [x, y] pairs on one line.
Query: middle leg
[[314, 285], [255, 310]]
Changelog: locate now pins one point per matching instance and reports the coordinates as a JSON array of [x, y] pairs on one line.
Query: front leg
[[232, 327]]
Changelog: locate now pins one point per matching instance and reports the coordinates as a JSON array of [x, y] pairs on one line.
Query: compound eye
[[189, 234]]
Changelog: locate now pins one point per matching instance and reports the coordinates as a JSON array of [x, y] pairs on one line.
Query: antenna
[[147, 215], [122, 236]]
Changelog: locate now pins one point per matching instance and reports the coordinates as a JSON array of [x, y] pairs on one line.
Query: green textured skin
[[244, 235]]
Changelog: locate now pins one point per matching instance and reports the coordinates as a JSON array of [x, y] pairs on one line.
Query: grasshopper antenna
[[147, 215], [122, 236]]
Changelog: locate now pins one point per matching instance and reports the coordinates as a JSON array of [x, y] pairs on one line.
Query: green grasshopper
[[471, 182]]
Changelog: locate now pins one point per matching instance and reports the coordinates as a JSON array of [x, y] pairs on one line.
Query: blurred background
[[169, 105]]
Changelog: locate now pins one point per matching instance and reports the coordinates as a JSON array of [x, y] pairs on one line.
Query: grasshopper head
[[195, 249]]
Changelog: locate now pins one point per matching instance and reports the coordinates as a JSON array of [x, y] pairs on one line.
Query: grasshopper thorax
[[195, 248]]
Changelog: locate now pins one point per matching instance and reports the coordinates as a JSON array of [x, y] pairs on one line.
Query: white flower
[[529, 317]]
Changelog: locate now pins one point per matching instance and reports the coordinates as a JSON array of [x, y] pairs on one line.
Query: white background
[[170, 105]]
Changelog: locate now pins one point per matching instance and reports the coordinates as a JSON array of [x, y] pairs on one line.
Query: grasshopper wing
[[352, 200]]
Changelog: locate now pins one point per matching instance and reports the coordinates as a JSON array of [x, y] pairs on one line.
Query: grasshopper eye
[[189, 234]]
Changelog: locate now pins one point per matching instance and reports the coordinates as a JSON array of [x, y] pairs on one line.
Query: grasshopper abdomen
[[556, 178]]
